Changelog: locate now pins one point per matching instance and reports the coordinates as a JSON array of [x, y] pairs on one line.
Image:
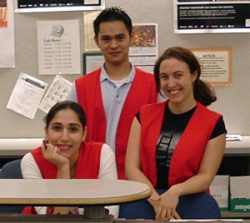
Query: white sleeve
[[30, 170], [108, 171], [107, 164]]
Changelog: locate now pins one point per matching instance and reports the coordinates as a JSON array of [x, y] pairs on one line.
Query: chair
[[196, 206], [11, 170]]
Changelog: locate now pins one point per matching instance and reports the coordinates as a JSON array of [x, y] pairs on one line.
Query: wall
[[233, 101]]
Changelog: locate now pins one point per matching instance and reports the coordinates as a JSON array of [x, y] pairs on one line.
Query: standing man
[[113, 94]]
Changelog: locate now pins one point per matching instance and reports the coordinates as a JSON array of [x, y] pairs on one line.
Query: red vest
[[88, 165], [189, 151], [142, 91]]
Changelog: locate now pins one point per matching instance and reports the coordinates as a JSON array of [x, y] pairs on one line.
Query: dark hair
[[63, 105], [202, 91], [110, 15]]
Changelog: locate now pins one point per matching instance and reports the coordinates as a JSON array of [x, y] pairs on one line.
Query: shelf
[[230, 214], [238, 147], [12, 147], [17, 147]]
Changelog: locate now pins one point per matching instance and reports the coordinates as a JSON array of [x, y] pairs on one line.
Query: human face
[[66, 132], [177, 83], [114, 42]]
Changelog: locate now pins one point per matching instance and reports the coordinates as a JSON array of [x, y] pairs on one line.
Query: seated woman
[[66, 155], [176, 147]]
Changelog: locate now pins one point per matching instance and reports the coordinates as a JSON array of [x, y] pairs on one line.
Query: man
[[113, 94]]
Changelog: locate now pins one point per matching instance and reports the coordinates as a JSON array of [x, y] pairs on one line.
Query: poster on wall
[[211, 16], [216, 65], [145, 39], [58, 5], [89, 41], [144, 49], [58, 49], [7, 53]]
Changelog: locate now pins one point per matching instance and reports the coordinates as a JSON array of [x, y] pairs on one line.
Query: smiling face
[[176, 82], [114, 41], [66, 132]]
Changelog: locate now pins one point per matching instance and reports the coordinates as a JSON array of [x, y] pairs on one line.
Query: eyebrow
[[74, 124], [71, 124], [110, 36], [178, 71]]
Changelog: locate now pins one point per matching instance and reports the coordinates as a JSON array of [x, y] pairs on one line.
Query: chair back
[[11, 170]]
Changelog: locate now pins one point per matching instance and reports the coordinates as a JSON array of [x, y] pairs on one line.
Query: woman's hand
[[167, 205], [154, 200], [52, 154]]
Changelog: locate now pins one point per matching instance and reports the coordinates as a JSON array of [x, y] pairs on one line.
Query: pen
[[33, 82]]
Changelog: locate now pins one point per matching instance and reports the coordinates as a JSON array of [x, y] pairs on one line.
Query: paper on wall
[[58, 47], [26, 96], [58, 91]]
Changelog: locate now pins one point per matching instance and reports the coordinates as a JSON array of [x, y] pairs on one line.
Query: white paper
[[91, 2], [7, 53], [58, 91], [215, 64], [26, 96], [94, 61], [59, 47], [144, 62]]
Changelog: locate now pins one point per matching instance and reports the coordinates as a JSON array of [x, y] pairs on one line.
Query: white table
[[93, 195]]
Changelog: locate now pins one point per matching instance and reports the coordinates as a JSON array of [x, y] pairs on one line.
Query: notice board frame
[[33, 6]]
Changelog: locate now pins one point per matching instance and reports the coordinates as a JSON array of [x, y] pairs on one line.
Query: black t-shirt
[[172, 128]]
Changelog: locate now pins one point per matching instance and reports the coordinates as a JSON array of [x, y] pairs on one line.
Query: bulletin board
[[211, 16]]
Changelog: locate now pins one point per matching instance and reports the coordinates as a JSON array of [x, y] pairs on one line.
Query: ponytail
[[203, 93]]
